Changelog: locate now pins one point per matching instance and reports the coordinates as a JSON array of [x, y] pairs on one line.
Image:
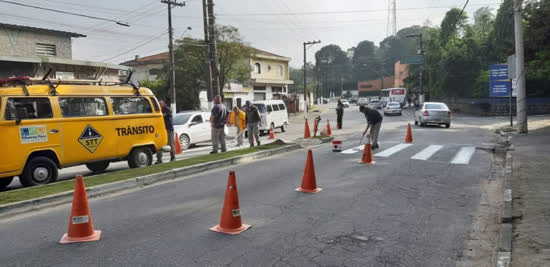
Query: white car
[[433, 113], [345, 103], [362, 102], [193, 127], [393, 108]]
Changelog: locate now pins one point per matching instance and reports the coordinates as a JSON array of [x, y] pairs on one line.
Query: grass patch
[[55, 188]]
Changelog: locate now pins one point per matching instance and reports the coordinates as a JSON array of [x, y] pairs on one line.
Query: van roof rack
[[21, 80]]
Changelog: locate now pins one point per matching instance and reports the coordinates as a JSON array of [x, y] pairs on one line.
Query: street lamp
[[186, 30]]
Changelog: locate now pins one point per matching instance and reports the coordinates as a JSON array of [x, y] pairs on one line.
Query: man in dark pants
[[253, 122], [218, 117], [374, 122], [167, 114], [339, 114]]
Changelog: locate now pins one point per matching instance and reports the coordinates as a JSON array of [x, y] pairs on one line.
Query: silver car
[[433, 113], [393, 108]]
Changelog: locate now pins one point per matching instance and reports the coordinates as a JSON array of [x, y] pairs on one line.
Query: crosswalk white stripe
[[426, 153], [392, 150], [464, 155]]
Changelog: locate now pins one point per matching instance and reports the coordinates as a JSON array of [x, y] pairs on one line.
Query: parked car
[[273, 113], [345, 103], [193, 127], [433, 113], [393, 108], [375, 103], [362, 102]]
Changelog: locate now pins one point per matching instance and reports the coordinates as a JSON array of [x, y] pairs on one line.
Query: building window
[[281, 70], [257, 68], [268, 67], [45, 50], [259, 88], [276, 89]]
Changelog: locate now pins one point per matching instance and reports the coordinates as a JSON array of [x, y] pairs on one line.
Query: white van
[[273, 113]]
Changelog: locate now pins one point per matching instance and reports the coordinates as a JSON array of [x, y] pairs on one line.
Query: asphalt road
[[399, 212]]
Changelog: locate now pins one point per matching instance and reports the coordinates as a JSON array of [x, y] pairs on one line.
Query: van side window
[[82, 106], [155, 103], [130, 105], [28, 108], [269, 109], [275, 107], [282, 106]]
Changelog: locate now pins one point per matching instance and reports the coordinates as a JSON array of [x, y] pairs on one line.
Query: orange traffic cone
[[367, 154], [81, 227], [409, 137], [177, 144], [308, 181], [306, 131], [230, 222], [329, 132], [271, 133]]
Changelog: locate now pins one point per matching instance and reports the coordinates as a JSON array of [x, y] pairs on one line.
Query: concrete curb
[[142, 181], [505, 233]]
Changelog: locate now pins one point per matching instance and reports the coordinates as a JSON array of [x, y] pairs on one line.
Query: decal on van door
[[33, 134], [90, 139]]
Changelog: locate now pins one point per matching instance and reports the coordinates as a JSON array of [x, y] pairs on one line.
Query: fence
[[497, 106]]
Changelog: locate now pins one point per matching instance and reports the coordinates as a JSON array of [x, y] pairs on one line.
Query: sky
[[277, 26]]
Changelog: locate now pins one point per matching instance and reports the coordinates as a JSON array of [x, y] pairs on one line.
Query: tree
[[333, 67], [365, 64], [452, 25], [190, 59]]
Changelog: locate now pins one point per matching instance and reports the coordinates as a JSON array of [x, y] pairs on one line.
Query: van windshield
[[261, 107]]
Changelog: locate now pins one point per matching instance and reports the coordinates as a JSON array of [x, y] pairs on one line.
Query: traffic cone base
[[81, 227], [316, 190], [367, 155], [237, 231], [231, 222], [309, 185], [94, 237]]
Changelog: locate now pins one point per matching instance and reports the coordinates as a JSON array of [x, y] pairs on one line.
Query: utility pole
[[521, 100], [172, 74], [208, 79], [212, 43], [305, 75], [420, 52]]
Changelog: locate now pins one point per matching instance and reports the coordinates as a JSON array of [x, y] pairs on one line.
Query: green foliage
[[333, 68], [365, 63]]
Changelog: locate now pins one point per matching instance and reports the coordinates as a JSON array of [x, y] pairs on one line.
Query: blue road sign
[[499, 85]]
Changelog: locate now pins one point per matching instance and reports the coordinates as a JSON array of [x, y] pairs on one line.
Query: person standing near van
[[218, 117], [167, 114], [253, 122], [374, 122], [238, 119], [339, 114]]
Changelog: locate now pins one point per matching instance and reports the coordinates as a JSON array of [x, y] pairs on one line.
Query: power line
[[132, 49], [64, 12], [341, 12]]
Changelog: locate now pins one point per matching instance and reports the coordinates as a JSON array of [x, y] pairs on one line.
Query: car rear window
[[435, 106], [261, 107]]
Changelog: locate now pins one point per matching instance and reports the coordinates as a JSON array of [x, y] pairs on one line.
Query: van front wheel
[[39, 170], [98, 167], [4, 182], [140, 157]]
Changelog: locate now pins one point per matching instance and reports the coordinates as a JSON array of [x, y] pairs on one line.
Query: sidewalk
[[531, 197]]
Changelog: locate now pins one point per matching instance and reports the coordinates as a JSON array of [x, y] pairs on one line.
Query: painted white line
[[350, 151], [392, 150], [426, 153], [464, 155]]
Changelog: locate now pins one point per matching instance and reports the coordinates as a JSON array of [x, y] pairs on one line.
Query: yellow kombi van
[[46, 127]]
